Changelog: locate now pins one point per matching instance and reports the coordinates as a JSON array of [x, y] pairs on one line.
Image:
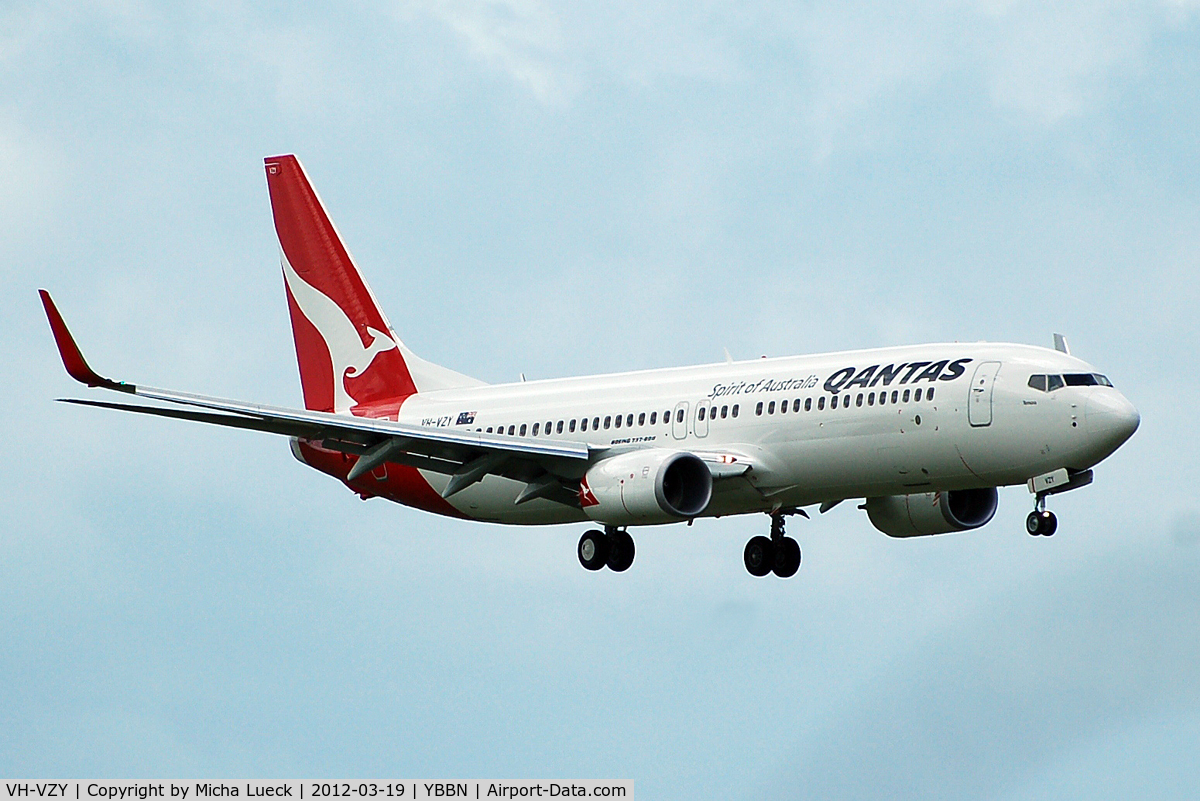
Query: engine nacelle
[[932, 512], [646, 486]]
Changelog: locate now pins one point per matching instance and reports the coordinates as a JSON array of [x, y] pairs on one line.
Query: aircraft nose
[[1111, 417]]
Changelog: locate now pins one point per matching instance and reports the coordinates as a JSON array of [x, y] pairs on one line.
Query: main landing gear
[[1041, 522], [779, 555], [612, 548]]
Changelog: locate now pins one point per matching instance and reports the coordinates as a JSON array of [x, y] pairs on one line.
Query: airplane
[[923, 434]]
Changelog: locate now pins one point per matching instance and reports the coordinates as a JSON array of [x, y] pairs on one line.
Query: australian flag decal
[[465, 418]]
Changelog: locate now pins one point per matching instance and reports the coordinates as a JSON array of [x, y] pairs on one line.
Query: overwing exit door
[[679, 420]]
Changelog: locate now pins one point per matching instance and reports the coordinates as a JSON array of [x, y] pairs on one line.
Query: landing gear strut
[[779, 554], [1041, 522], [612, 548]]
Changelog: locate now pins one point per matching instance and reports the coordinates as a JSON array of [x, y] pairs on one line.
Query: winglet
[[72, 359]]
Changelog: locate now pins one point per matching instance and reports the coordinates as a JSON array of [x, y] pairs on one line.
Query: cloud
[[993, 699], [836, 67], [1185, 531], [520, 38]]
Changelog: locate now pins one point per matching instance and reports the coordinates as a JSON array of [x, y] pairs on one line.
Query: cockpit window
[[1086, 380], [1049, 383]]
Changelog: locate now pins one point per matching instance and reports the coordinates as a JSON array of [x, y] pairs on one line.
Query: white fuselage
[[984, 425]]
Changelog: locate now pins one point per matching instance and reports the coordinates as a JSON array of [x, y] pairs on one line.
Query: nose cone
[[1111, 419]]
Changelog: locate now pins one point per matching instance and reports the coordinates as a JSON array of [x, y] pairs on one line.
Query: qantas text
[[850, 377]]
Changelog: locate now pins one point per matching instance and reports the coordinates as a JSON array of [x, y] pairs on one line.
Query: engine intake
[[646, 486], [932, 512]]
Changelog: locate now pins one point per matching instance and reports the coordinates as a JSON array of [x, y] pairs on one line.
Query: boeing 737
[[922, 434]]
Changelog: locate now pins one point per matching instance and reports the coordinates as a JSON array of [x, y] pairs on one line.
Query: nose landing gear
[[612, 548], [1041, 522], [779, 555]]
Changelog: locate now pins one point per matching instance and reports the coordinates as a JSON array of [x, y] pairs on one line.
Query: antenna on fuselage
[[1060, 344]]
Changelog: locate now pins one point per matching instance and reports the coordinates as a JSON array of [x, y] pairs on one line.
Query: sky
[[560, 189]]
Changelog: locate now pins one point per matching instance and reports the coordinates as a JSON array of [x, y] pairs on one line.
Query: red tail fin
[[349, 356]]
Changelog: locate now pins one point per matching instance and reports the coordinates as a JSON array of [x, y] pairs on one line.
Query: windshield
[[1049, 383]]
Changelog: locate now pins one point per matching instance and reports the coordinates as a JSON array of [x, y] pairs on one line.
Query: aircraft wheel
[[787, 558], [620, 551], [759, 556], [1041, 524], [593, 549]]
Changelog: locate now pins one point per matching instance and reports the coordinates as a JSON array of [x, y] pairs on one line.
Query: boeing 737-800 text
[[924, 434]]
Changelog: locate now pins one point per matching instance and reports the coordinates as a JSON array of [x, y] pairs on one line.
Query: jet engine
[[932, 512], [646, 486]]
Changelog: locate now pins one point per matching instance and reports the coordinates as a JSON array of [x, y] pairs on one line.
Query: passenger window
[[700, 413], [596, 424], [666, 416], [771, 408], [734, 410], [679, 416], [783, 406], [607, 422], [653, 418], [895, 395], [758, 409], [522, 430], [860, 400], [1054, 382], [642, 419], [796, 405], [724, 412], [511, 429], [807, 404], [583, 424], [929, 394], [832, 403], [535, 428], [558, 428], [882, 398], [1037, 382], [618, 423], [571, 425], [906, 395], [871, 399], [489, 429], [917, 397], [628, 420], [821, 403]]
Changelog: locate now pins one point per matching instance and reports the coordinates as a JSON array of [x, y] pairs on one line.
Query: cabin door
[[979, 405]]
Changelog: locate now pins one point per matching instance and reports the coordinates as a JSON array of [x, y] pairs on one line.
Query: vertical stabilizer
[[349, 356]]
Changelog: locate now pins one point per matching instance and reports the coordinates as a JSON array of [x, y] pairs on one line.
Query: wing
[[550, 468]]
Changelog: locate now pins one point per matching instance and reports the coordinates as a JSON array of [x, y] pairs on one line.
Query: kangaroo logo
[[350, 359], [586, 496]]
